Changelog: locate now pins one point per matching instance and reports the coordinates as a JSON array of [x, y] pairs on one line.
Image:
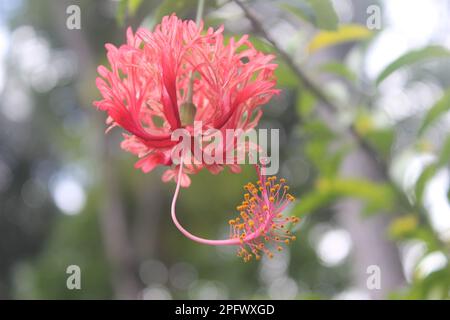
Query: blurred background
[[365, 146]]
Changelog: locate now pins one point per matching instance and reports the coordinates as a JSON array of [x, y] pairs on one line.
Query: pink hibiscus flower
[[165, 80]]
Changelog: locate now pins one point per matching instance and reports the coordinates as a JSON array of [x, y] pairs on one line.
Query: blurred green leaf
[[317, 130], [382, 140], [424, 177], [403, 226], [133, 5], [311, 202], [168, 7], [285, 76], [444, 157], [338, 69], [126, 7], [305, 103], [301, 9], [121, 12], [318, 148], [379, 137], [413, 57], [319, 13], [345, 33], [431, 170], [326, 17], [439, 108], [377, 195]]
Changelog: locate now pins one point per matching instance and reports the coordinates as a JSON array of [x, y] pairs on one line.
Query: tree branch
[[309, 84], [380, 164]]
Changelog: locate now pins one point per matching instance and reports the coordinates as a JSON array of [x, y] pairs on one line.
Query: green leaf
[[345, 33], [326, 17], [378, 196], [338, 69], [305, 103], [403, 226], [439, 108], [126, 7], [424, 177], [168, 7], [301, 9], [412, 57], [431, 170], [121, 12], [444, 157], [382, 139], [133, 5], [311, 202], [285, 76]]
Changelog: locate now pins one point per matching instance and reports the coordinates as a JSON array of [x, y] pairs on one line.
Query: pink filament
[[225, 242]]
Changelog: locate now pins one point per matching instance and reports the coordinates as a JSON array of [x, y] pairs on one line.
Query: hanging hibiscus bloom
[[165, 80]]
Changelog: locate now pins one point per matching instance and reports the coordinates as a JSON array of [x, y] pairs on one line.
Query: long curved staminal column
[[260, 224]]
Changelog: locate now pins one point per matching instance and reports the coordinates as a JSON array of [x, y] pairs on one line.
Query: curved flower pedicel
[[261, 225], [165, 80]]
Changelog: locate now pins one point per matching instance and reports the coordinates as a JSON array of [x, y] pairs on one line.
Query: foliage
[[322, 143]]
